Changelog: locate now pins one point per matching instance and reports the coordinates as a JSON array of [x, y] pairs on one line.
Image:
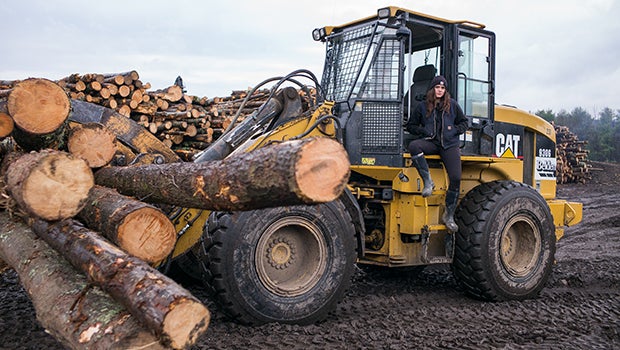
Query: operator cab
[[378, 68]]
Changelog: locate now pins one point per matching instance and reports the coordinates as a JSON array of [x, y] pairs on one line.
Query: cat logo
[[507, 146]]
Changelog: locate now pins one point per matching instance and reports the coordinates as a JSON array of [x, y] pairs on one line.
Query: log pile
[[49, 188], [67, 195], [573, 165], [81, 315], [185, 123]]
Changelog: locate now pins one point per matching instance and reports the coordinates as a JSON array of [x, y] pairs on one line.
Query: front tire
[[287, 264], [505, 245]]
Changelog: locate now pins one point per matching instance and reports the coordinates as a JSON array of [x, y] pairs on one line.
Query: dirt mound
[[580, 308]]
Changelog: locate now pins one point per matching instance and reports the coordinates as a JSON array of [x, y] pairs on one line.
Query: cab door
[[475, 74]]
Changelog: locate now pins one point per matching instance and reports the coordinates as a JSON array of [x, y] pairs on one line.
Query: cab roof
[[393, 11]]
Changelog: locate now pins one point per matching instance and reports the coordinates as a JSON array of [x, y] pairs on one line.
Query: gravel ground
[[579, 308]]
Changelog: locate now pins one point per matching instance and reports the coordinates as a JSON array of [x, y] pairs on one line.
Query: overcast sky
[[552, 54]]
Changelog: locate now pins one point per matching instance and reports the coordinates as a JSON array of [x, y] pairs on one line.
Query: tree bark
[[3, 266], [77, 314], [166, 308], [136, 227], [92, 142], [38, 106], [293, 172], [52, 185], [29, 142]]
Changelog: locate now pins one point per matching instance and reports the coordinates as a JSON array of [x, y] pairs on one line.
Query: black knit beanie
[[438, 80]]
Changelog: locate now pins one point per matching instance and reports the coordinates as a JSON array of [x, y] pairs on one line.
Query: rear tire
[[505, 245], [286, 264]]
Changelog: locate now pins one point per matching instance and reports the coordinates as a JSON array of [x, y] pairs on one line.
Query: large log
[[92, 142], [166, 308], [77, 314], [39, 110], [38, 106], [138, 228], [52, 185], [293, 172]]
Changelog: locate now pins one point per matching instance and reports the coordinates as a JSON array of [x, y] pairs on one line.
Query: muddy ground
[[579, 309]]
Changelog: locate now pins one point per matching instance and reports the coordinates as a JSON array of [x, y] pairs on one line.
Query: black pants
[[450, 157]]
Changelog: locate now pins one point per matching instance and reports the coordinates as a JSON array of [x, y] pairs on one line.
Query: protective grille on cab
[[344, 59], [381, 123]]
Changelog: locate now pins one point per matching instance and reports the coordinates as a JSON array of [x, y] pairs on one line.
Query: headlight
[[318, 34], [383, 13]]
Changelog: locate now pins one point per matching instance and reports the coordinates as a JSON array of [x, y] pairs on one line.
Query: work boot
[[448, 214], [420, 163]]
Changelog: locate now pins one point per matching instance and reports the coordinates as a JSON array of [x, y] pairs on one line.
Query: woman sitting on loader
[[436, 125]]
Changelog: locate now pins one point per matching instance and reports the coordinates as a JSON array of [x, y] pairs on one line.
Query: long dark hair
[[431, 101]]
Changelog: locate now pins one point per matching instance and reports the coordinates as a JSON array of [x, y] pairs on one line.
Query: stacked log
[[186, 124], [81, 315], [573, 165], [50, 184], [92, 142], [140, 229], [166, 308], [39, 109]]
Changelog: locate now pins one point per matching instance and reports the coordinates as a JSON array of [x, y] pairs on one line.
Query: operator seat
[[422, 77]]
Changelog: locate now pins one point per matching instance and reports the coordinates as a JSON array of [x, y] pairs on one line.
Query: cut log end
[[6, 125], [156, 237], [92, 142], [38, 106], [57, 187], [185, 322], [322, 170]]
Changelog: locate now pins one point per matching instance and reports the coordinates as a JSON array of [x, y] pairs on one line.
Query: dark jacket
[[453, 122]]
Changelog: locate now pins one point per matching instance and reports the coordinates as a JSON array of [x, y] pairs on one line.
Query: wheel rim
[[291, 256], [520, 246]]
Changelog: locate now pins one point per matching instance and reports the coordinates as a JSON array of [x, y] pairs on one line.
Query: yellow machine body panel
[[189, 225]]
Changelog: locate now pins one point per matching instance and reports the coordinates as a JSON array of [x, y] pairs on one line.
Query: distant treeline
[[602, 131]]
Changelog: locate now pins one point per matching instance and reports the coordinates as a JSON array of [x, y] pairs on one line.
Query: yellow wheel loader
[[294, 264]]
